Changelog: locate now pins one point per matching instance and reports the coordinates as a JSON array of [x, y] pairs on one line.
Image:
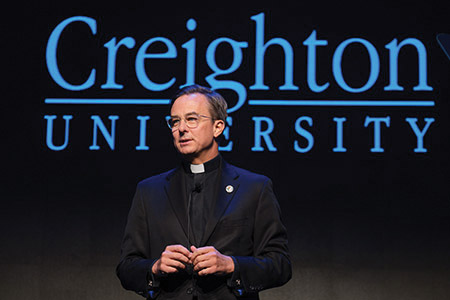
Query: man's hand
[[207, 260], [172, 259]]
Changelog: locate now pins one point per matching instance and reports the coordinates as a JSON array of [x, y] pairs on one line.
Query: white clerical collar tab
[[197, 168]]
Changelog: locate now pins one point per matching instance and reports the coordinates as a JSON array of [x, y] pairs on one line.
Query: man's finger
[[180, 249], [170, 265], [202, 258], [167, 265], [177, 256], [176, 264], [168, 269], [203, 265], [201, 251], [207, 271]]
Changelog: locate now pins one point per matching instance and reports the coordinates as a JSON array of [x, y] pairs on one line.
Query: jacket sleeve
[[270, 266], [134, 268]]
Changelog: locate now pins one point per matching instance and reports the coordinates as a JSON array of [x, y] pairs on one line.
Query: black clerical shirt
[[202, 186]]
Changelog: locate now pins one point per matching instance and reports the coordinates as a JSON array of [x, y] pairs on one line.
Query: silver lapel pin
[[229, 189]]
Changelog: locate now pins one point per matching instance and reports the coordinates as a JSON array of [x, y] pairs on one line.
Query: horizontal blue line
[[342, 102], [251, 102], [105, 101]]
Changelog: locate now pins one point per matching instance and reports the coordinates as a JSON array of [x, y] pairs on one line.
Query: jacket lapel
[[224, 195], [176, 193]]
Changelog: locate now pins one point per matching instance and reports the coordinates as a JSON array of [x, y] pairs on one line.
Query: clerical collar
[[202, 168], [197, 168]]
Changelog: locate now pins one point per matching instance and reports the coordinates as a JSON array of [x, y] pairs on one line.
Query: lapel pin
[[229, 189]]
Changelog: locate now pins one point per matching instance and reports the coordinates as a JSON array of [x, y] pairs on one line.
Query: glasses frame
[[186, 122]]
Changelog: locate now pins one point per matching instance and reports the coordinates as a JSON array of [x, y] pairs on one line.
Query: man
[[207, 229]]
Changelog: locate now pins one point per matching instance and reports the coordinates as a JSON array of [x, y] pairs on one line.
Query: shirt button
[[190, 290]]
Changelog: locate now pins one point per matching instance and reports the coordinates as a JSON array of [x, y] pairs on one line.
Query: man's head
[[198, 117]]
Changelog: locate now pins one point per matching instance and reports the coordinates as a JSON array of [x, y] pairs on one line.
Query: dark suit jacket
[[245, 224]]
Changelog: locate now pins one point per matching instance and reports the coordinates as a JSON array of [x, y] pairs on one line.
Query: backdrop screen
[[344, 106]]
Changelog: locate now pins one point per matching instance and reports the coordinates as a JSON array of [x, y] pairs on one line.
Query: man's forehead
[[189, 104]]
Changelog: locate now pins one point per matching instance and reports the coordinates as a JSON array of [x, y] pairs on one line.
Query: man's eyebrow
[[188, 114]]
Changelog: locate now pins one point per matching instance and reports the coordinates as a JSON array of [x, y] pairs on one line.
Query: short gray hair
[[218, 105]]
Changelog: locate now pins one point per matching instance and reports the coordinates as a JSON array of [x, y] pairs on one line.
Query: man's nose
[[182, 127]]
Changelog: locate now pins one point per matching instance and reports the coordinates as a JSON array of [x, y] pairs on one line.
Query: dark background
[[361, 225]]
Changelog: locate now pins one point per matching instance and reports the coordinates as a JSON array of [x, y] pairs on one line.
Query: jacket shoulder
[[156, 180], [249, 175]]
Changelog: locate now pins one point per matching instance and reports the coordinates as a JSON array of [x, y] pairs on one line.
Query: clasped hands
[[205, 260]]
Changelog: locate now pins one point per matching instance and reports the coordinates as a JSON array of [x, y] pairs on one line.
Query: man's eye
[[175, 121], [192, 119]]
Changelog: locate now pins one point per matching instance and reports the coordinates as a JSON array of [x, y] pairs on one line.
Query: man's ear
[[219, 127]]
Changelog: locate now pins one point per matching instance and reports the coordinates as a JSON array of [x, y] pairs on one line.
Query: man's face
[[196, 144]]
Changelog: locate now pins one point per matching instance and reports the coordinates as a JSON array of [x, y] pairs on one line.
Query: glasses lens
[[192, 121], [173, 123]]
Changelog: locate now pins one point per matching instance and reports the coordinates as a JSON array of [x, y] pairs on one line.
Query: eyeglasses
[[191, 121]]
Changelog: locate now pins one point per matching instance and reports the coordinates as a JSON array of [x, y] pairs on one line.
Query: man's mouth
[[184, 141]]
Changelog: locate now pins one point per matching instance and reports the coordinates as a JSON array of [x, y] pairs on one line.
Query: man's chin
[[185, 151]]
